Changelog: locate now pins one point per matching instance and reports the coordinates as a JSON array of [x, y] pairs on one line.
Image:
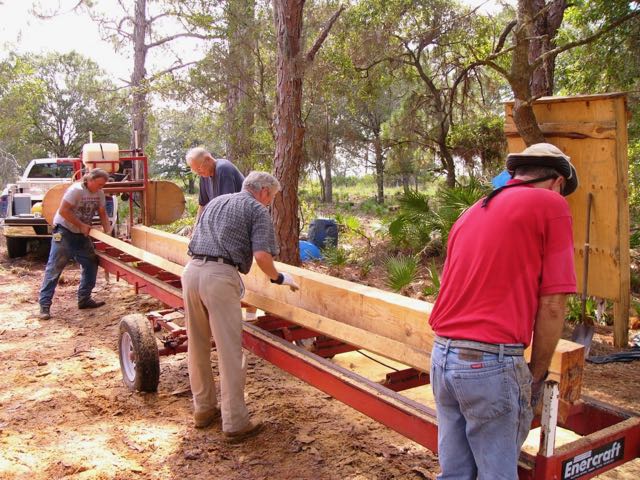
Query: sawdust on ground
[[65, 413]]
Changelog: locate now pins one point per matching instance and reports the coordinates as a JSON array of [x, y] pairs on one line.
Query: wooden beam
[[139, 253], [386, 323], [603, 130]]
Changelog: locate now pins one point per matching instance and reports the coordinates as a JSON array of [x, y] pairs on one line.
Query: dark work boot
[[45, 314], [90, 303]]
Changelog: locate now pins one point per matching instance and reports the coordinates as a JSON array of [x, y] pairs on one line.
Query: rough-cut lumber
[[386, 323], [139, 253]]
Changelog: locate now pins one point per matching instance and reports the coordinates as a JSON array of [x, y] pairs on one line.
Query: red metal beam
[[328, 347], [405, 379], [170, 296], [591, 455], [411, 419]]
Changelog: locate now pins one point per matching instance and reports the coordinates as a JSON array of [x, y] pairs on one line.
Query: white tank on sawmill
[[101, 155]]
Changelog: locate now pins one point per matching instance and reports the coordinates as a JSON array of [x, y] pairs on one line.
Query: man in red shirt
[[509, 268]]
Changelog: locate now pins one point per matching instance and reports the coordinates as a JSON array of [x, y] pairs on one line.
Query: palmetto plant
[[352, 225], [402, 271], [335, 256], [434, 276], [453, 202], [412, 226], [418, 220]]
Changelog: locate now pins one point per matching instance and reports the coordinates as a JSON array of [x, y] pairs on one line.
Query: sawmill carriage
[[339, 317]]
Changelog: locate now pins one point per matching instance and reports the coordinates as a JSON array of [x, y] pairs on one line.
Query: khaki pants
[[211, 293]]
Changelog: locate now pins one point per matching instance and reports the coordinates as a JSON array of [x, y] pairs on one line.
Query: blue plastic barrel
[[323, 232], [308, 251]]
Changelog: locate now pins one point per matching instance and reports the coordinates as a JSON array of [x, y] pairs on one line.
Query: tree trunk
[[288, 124], [406, 178], [327, 155], [379, 163], [328, 180], [240, 66], [445, 152], [545, 27], [521, 74], [139, 105]]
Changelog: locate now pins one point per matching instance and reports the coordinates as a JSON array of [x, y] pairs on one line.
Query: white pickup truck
[[20, 221]]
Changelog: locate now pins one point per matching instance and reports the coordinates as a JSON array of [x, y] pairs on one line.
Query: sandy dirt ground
[[65, 413]]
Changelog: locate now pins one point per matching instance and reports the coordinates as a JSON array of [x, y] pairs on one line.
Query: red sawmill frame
[[610, 436]]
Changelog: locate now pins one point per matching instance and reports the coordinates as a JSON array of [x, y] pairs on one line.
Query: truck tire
[[138, 352], [16, 247]]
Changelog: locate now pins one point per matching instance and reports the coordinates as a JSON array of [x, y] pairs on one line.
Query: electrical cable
[[377, 361]]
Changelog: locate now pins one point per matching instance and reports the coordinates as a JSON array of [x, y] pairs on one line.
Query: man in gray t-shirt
[[83, 204], [70, 239]]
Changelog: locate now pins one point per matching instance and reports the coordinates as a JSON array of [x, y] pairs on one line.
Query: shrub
[[412, 226], [434, 276], [453, 202], [574, 311], [402, 271], [335, 256]]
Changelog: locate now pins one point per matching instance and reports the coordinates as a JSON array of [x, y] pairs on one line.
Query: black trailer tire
[[16, 246], [138, 352]]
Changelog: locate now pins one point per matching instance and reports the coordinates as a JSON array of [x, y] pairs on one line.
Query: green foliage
[[50, 103], [401, 271], [634, 279], [484, 139], [352, 225], [335, 256], [307, 207], [350, 222], [434, 277], [453, 202], [372, 207], [418, 223], [634, 177], [365, 268], [191, 208], [178, 226], [412, 227], [634, 239], [574, 310], [174, 132]]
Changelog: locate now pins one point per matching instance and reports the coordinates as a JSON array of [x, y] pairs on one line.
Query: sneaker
[[91, 303], [252, 429], [204, 419], [45, 313]]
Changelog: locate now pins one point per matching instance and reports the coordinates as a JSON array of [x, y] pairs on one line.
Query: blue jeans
[[74, 246], [483, 404]]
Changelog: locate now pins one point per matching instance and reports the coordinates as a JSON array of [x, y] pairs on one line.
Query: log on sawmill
[[386, 323]]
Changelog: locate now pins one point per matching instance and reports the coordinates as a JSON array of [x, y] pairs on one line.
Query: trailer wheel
[[138, 351], [16, 247]]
